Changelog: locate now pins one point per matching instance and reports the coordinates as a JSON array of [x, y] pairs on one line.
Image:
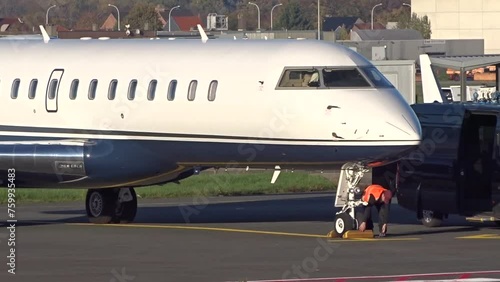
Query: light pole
[[118, 11], [170, 16], [319, 23], [272, 14], [406, 4], [258, 13], [47, 14], [373, 9]]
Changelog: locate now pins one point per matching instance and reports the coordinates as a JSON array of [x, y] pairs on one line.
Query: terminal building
[[463, 19]]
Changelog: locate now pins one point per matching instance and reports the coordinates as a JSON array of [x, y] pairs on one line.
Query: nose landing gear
[[348, 198]]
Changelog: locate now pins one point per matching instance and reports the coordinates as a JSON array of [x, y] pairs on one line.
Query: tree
[[400, 14], [141, 14], [421, 24], [343, 33], [338, 8], [209, 6], [87, 20], [292, 17]]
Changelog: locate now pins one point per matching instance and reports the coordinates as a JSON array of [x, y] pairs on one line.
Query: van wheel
[[431, 218]]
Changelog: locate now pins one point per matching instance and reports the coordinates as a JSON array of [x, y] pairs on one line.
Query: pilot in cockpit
[[311, 79]]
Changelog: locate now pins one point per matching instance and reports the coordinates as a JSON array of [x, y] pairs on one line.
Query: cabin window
[[131, 89], [171, 90], [112, 89], [33, 85], [192, 90], [53, 89], [300, 78], [74, 89], [376, 77], [152, 90], [15, 88], [92, 89], [212, 89], [344, 78]]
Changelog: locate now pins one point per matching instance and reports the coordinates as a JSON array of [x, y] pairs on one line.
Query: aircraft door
[[476, 163], [496, 173], [51, 96]]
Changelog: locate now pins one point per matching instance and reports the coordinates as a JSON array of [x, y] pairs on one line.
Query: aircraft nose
[[400, 116], [411, 125]]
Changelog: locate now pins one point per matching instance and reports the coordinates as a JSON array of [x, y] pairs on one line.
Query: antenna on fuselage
[[46, 37], [204, 37]]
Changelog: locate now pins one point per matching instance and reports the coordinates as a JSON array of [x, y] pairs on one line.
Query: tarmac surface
[[239, 239]]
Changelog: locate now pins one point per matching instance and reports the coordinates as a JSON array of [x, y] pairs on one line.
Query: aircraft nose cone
[[412, 126], [400, 115]]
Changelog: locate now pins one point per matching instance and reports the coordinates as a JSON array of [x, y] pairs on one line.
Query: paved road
[[235, 239]]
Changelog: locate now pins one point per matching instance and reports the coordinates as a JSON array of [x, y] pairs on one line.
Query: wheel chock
[[356, 234], [333, 234]]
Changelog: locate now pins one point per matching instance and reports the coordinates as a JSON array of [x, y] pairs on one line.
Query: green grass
[[205, 184]]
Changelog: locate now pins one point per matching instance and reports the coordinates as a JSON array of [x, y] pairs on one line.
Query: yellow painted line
[[235, 230], [202, 228], [481, 236]]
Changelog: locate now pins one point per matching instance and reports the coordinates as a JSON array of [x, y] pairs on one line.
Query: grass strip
[[206, 184]]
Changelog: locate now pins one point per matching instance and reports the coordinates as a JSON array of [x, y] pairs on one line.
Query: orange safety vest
[[375, 190]]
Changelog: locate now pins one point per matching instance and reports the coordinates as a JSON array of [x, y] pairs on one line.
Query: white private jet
[[111, 115]]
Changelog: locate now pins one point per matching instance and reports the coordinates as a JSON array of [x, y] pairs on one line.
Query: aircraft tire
[[126, 211], [100, 205], [343, 223], [432, 219]]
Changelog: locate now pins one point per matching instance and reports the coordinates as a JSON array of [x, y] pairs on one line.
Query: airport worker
[[380, 197]]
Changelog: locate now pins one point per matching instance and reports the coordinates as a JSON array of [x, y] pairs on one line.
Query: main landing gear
[[348, 198], [112, 205]]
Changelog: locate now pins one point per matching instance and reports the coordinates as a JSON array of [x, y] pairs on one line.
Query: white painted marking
[[396, 276]]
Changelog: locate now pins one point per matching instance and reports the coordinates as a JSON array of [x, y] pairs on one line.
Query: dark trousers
[[382, 209]]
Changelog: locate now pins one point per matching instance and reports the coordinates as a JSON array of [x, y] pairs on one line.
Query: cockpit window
[[344, 78], [377, 78], [333, 77], [300, 78]]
